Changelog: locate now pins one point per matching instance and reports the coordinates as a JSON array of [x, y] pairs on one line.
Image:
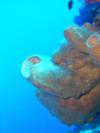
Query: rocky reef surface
[[68, 82], [88, 11]]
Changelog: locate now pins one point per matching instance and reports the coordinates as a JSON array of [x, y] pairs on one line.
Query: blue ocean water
[[28, 27]]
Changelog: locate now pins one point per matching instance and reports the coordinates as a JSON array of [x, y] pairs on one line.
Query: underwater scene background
[[29, 27]]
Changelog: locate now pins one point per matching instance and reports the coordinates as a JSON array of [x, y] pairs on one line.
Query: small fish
[[70, 4]]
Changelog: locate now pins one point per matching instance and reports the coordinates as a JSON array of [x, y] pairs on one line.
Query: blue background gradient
[[28, 27]]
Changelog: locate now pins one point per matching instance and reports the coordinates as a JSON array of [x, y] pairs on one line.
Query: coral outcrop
[[68, 83]]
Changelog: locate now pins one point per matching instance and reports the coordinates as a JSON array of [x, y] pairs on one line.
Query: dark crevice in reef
[[91, 88]]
